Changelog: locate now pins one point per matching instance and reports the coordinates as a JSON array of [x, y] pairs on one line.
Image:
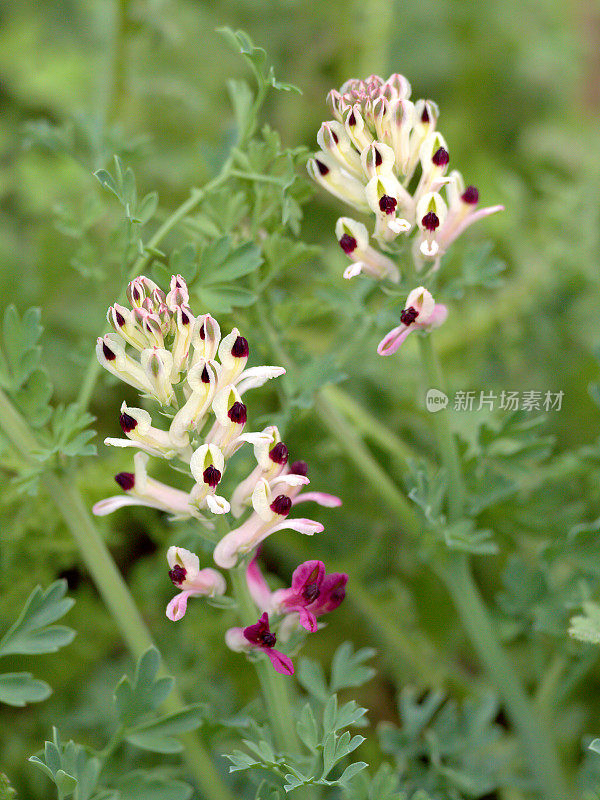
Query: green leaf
[[20, 688], [242, 100], [257, 60], [184, 262], [242, 261], [146, 692], [142, 786], [311, 676], [20, 354], [33, 631], [348, 669], [307, 728], [70, 767], [462, 535], [66, 783], [242, 761], [223, 299], [351, 771], [6, 790], [147, 208], [157, 735], [107, 181]]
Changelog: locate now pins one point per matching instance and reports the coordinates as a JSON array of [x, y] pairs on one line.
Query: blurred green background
[[518, 87]]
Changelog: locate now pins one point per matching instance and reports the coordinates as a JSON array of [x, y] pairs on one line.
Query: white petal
[[352, 270], [256, 376], [217, 504]]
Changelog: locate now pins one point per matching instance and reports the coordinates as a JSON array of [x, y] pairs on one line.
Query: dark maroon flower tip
[[470, 196], [323, 169], [299, 468], [126, 480], [211, 476], [409, 315], [281, 505], [120, 318], [185, 320], [202, 332], [135, 293], [430, 221], [177, 574], [425, 115], [260, 634], [311, 592], [334, 137], [205, 377], [238, 413], [127, 423], [378, 158], [348, 243], [240, 348], [441, 157], [352, 119], [108, 353], [339, 594], [279, 453], [388, 204]]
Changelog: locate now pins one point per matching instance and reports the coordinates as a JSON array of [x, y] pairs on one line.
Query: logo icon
[[435, 400]]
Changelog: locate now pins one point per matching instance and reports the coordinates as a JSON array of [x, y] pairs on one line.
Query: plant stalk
[[457, 575], [274, 686]]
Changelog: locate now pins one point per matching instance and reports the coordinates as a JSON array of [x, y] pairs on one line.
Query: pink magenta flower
[[312, 593], [420, 313], [185, 573], [260, 637]]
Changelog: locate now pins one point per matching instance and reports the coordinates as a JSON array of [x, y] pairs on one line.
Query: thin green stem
[[255, 176], [447, 442], [531, 727], [364, 461], [369, 426], [110, 584], [274, 686], [457, 575]]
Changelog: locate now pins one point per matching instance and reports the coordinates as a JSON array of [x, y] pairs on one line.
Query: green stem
[[364, 461], [531, 727], [447, 442], [274, 686], [110, 584], [457, 575], [368, 425]]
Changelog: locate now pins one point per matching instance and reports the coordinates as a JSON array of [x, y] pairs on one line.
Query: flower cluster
[[382, 155], [199, 381]]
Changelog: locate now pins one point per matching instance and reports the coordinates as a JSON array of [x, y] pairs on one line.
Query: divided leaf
[[33, 632], [134, 699]]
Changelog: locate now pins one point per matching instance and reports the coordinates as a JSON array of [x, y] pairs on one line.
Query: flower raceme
[[199, 380], [382, 155]]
